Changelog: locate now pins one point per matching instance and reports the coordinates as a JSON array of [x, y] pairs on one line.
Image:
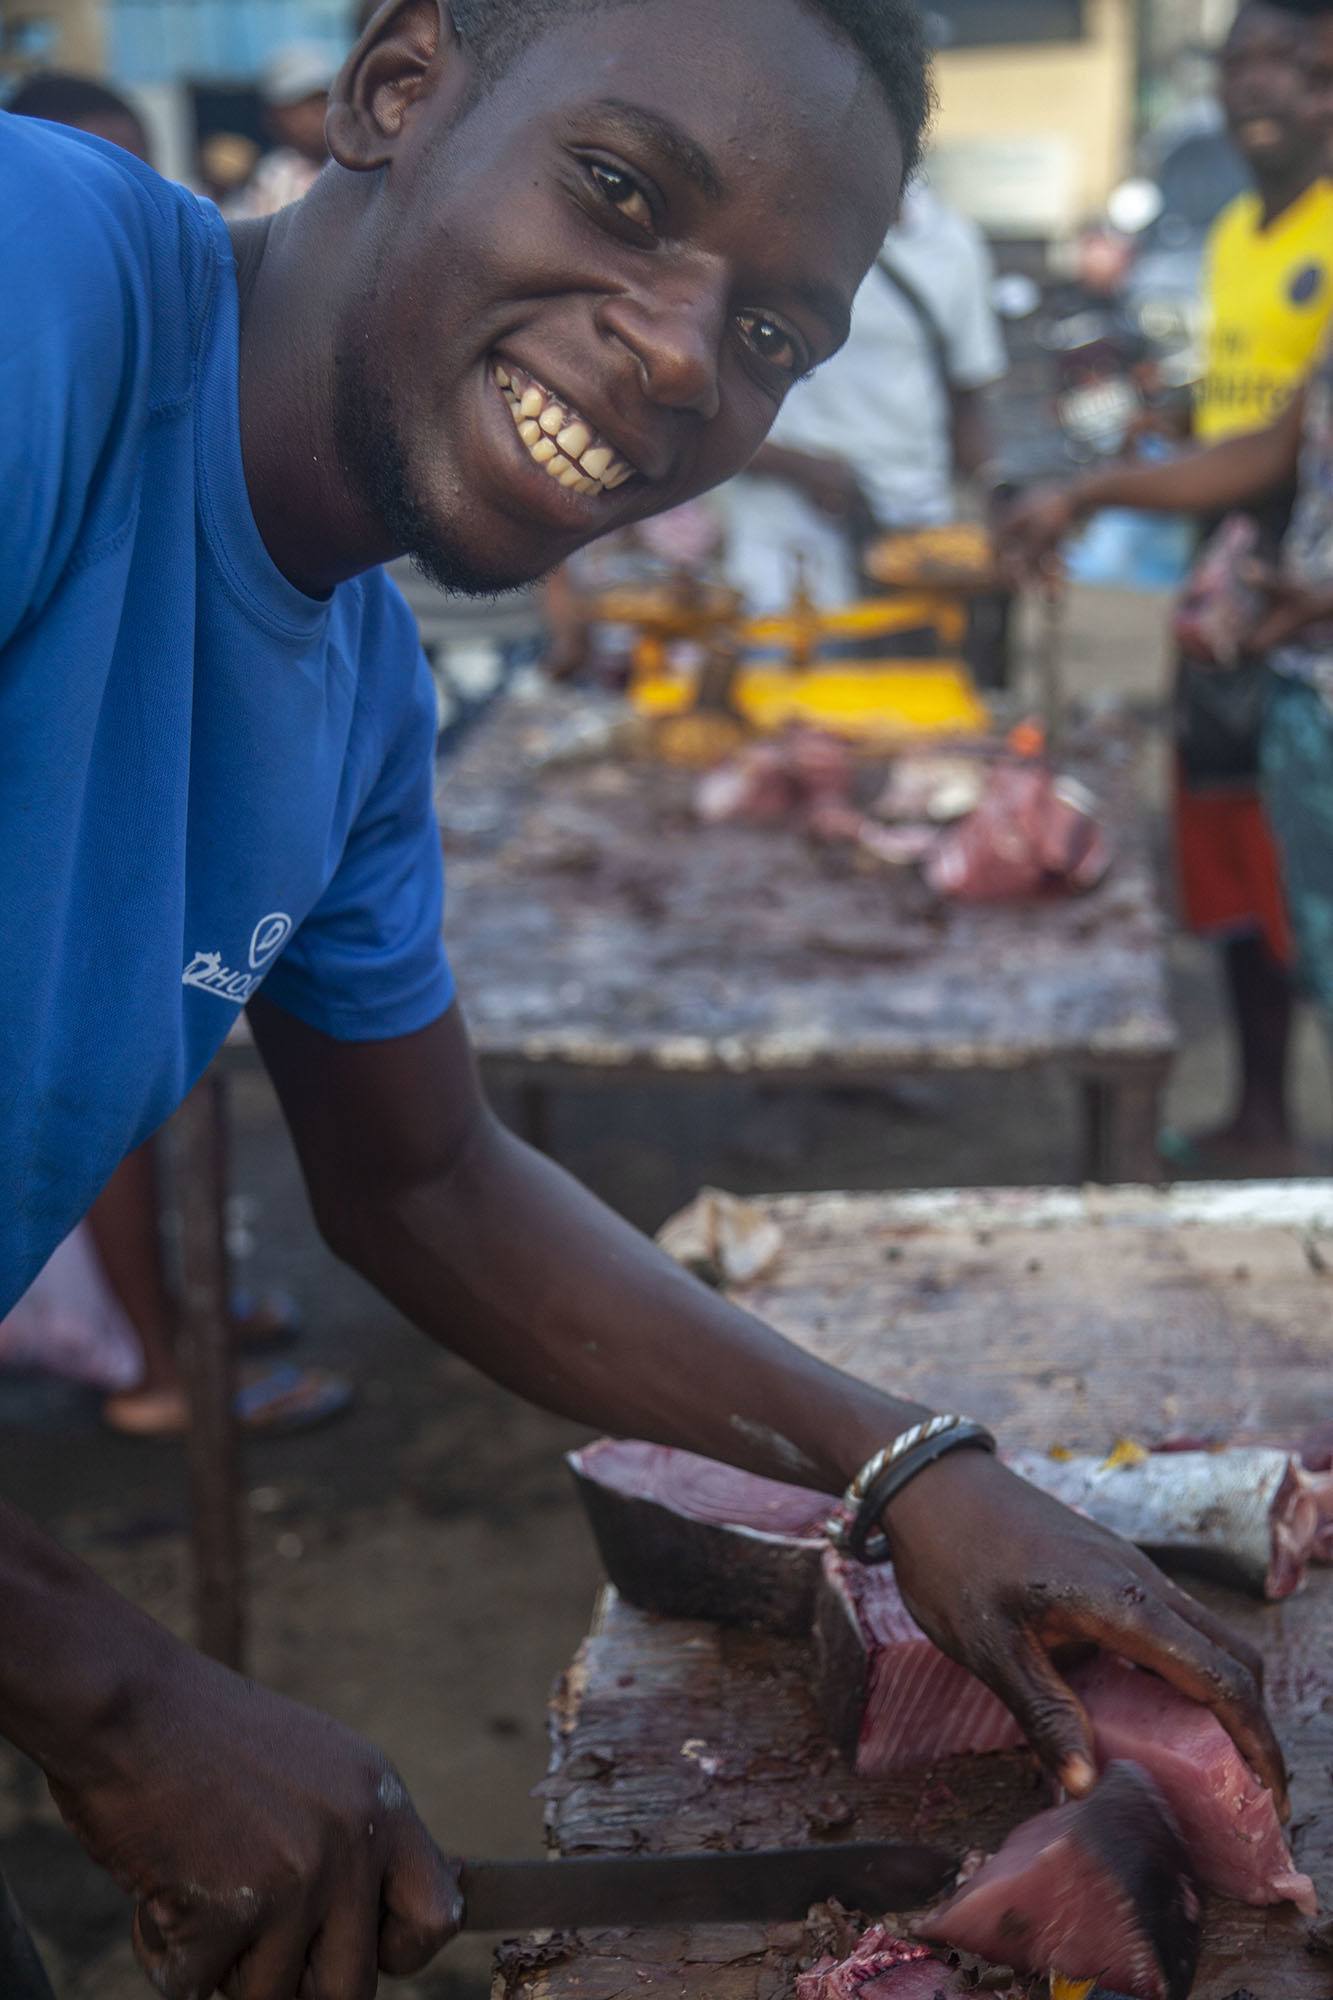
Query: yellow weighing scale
[[767, 673]]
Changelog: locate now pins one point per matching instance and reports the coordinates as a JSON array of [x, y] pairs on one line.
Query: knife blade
[[636, 1891]]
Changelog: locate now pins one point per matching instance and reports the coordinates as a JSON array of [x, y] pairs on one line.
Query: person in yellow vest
[[1269, 298]]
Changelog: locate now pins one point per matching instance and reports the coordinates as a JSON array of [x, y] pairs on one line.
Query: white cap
[[294, 73]]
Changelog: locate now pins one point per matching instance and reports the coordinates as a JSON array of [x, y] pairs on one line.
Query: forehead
[[1266, 30], [796, 125]]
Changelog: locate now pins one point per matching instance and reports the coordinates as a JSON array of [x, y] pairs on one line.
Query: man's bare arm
[[1242, 471], [501, 1257], [254, 1835]]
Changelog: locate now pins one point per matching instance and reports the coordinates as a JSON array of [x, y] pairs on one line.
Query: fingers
[[180, 1955], [1049, 1712], [343, 1963], [274, 1967], [1185, 1653], [422, 1904]]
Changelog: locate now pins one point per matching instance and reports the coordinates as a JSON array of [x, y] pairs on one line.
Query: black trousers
[[21, 1974]]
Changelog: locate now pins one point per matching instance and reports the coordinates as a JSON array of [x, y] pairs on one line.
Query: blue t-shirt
[[207, 778]]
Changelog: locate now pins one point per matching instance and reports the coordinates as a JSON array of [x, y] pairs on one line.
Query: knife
[[635, 1891]]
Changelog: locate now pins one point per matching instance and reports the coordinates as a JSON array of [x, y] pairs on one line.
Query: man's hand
[[1000, 1575], [1291, 607], [1029, 534], [272, 1853]]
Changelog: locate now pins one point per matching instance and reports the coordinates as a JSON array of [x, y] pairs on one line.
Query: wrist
[[79, 1665], [953, 1483]]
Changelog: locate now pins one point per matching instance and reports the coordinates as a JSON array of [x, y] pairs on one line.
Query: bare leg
[[123, 1222]]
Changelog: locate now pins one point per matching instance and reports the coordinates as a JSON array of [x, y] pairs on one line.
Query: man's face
[[1265, 92], [583, 301]]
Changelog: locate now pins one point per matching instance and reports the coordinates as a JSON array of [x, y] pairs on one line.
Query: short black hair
[[888, 35], [1309, 10], [67, 99]]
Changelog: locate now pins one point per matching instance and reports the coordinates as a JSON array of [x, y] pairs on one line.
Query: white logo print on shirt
[[206, 970]]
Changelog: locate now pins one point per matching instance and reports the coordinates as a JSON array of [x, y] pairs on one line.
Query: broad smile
[[557, 437]]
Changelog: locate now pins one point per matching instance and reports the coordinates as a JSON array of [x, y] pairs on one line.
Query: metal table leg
[[206, 1354], [1121, 1123]]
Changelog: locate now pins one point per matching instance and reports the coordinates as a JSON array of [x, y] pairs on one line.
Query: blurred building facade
[[1040, 100]]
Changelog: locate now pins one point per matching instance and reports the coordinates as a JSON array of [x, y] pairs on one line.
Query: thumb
[[1050, 1714], [421, 1903]]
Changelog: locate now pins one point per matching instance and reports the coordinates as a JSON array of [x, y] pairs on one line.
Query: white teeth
[[574, 440], [560, 441]]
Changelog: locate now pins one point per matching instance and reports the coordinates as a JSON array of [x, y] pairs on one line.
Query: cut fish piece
[[689, 1538], [890, 1699], [1249, 1515], [883, 1967], [1227, 1817], [1102, 1889]]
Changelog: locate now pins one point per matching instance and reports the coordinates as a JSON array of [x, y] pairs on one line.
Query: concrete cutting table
[[1069, 1318], [600, 932]]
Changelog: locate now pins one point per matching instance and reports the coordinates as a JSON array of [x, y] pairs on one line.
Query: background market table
[[1058, 1317], [600, 932]]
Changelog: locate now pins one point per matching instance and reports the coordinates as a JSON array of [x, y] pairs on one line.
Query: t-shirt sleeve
[[973, 340], [69, 333], [369, 962]]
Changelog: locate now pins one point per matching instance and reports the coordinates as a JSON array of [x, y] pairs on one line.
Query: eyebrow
[[670, 140], [825, 301]]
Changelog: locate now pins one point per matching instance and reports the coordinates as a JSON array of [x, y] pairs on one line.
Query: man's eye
[[771, 342], [624, 194]]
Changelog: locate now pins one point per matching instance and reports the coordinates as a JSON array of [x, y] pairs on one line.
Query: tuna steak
[[889, 1697], [690, 1538], [892, 1700], [882, 1967], [1250, 1516], [1101, 1889], [1228, 1819]]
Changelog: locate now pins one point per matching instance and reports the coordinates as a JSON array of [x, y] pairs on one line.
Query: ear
[[398, 60]]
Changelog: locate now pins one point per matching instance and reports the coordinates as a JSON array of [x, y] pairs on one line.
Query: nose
[[675, 337]]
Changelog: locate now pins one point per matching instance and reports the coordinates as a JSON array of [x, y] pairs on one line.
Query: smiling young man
[[564, 264]]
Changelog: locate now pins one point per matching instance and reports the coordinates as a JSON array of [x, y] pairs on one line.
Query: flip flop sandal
[[265, 1320], [277, 1402]]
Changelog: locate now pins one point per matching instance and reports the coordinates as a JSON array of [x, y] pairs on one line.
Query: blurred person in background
[[85, 105], [1285, 613], [881, 437], [295, 90], [1268, 298]]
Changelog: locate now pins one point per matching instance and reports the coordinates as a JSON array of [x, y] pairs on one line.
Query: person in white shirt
[[880, 436]]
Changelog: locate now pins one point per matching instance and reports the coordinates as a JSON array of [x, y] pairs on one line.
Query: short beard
[[371, 452]]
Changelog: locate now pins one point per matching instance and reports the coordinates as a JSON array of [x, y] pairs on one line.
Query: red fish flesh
[[892, 1700], [1227, 1817], [1101, 1889], [890, 1697], [883, 1967], [1251, 1516]]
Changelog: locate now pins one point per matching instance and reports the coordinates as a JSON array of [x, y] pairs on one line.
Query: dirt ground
[[420, 1570]]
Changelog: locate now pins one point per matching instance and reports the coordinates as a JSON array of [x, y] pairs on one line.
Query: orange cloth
[[1226, 860]]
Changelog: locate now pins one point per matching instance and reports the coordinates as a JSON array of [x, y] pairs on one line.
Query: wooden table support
[[207, 1360]]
